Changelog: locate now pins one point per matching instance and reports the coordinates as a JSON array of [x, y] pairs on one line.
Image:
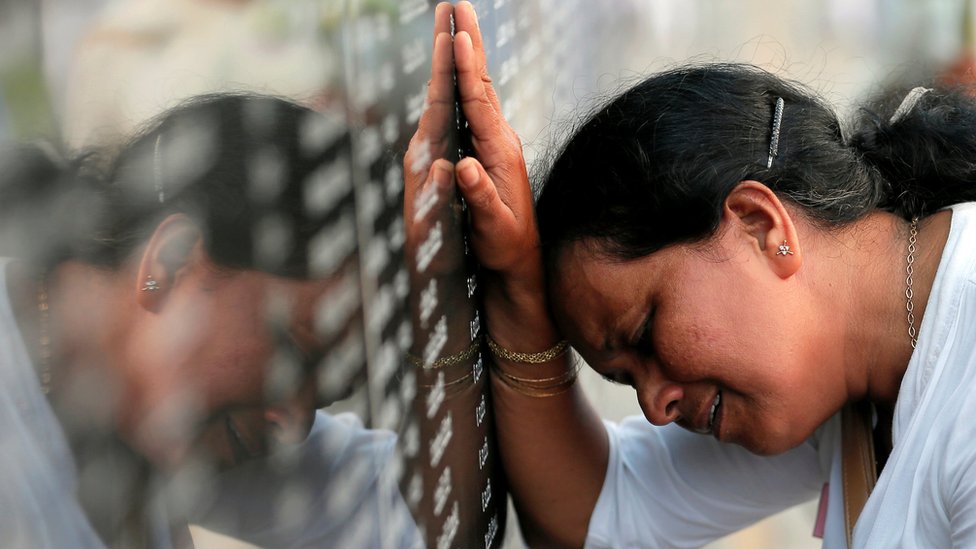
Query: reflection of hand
[[504, 235], [428, 178], [434, 247], [435, 129]]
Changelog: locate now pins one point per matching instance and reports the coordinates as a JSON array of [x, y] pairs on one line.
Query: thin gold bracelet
[[449, 384], [527, 358], [538, 387], [450, 360]]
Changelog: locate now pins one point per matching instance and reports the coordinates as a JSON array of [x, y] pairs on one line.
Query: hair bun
[[44, 205], [923, 145]]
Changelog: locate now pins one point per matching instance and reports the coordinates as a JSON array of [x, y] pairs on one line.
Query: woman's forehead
[[585, 266], [595, 298]]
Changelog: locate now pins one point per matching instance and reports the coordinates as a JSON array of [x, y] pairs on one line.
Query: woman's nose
[[659, 399], [291, 420]]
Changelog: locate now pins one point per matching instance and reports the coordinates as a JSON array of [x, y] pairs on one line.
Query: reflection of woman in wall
[[162, 317], [714, 240]]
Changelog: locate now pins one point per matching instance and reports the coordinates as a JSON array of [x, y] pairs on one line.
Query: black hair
[[653, 167], [238, 165]]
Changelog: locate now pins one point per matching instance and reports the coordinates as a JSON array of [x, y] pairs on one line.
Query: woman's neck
[[870, 260], [70, 344]]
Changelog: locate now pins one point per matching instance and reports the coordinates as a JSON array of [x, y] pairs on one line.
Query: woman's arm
[[554, 449]]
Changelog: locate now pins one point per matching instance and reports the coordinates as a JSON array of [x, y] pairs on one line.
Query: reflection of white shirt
[[336, 489], [38, 479], [666, 487]]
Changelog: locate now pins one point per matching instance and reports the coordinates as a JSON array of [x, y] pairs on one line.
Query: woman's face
[[222, 366], [713, 340]]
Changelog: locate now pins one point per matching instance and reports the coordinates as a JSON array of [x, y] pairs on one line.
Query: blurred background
[[90, 72]]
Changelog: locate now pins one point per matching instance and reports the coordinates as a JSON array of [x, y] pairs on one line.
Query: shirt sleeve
[[337, 489], [668, 487]]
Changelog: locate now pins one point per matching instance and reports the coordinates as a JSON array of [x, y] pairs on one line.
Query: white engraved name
[[492, 532], [428, 301], [441, 440], [438, 338], [424, 202], [486, 496], [415, 490], [414, 55], [412, 9], [446, 539], [416, 103], [436, 396], [483, 454], [475, 326], [443, 491], [332, 245], [420, 156], [334, 311], [429, 248], [478, 369], [326, 187], [479, 414]]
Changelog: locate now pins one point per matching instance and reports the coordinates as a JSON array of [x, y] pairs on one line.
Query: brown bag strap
[[858, 467]]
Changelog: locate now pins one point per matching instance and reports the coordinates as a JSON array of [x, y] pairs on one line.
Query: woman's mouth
[[710, 420], [241, 453], [713, 413]]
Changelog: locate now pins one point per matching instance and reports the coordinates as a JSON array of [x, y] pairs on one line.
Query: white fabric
[[38, 508], [338, 490], [335, 490], [926, 495], [666, 487]]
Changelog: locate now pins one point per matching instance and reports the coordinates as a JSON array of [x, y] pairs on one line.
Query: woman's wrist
[[519, 320]]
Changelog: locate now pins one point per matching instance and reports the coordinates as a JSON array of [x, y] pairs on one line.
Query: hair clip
[[158, 171], [908, 103], [774, 140]]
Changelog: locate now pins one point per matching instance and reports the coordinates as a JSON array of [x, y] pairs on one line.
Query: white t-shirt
[[336, 489], [666, 487], [926, 495]]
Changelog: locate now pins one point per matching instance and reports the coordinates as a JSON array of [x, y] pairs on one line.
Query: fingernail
[[469, 175], [441, 175]]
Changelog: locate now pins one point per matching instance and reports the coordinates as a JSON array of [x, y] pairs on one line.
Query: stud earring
[[784, 249], [151, 284]]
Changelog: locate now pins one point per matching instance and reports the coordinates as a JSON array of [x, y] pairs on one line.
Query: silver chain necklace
[[44, 335], [910, 270]]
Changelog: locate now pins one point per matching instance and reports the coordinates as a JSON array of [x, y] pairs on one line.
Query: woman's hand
[[554, 450], [503, 236]]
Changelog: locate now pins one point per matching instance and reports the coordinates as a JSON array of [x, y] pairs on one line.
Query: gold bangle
[[449, 384], [538, 387], [527, 358], [450, 360]]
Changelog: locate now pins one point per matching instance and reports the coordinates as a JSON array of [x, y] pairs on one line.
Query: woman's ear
[[760, 217], [174, 249]]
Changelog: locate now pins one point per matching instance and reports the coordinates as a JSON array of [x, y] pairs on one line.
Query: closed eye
[[643, 342], [286, 341], [618, 377]]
